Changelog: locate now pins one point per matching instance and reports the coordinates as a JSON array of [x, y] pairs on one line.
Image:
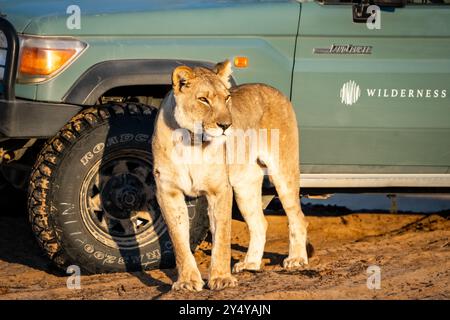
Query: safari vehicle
[[81, 86]]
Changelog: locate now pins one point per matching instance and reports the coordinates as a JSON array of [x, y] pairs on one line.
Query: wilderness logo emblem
[[351, 92]]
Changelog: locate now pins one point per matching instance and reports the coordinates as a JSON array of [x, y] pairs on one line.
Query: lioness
[[205, 97]]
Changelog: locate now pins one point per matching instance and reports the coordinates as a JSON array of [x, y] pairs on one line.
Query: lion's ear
[[223, 70], [181, 77]]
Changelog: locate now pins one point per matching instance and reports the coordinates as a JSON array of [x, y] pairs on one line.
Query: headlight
[[42, 58]]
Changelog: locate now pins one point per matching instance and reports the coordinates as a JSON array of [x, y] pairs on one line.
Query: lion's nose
[[223, 125]]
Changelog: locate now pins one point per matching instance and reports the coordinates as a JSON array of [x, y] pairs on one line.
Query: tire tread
[[40, 211]]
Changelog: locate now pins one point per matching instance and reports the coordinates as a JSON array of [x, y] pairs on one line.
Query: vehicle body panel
[[370, 135], [411, 51], [264, 31]]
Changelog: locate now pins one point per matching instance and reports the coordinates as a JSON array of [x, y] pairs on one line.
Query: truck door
[[373, 100]]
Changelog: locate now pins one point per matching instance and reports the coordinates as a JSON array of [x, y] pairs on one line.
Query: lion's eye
[[203, 100], [227, 98]]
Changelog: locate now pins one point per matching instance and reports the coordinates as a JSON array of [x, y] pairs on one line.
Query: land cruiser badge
[[344, 49]]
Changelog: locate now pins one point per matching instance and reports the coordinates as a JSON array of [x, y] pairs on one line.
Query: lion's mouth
[[209, 137], [213, 132], [217, 132], [202, 134]]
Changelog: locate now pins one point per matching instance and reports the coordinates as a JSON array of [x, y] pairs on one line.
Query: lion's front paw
[[219, 283], [294, 263], [241, 266], [193, 283]]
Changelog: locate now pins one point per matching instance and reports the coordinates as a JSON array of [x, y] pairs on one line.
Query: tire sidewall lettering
[[115, 140]]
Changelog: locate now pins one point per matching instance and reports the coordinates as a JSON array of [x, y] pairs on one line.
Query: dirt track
[[413, 252]]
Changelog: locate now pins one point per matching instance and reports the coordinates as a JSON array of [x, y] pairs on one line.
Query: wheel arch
[[107, 75]]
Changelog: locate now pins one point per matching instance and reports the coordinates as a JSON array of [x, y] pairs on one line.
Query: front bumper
[[32, 119]]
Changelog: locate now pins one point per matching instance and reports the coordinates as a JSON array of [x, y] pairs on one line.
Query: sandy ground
[[412, 251]]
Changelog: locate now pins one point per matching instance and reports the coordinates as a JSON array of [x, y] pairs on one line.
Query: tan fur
[[202, 95], [261, 107], [198, 95]]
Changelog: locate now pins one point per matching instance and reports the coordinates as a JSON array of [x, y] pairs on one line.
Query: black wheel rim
[[118, 202]]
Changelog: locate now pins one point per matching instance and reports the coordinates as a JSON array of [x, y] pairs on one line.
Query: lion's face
[[202, 98]]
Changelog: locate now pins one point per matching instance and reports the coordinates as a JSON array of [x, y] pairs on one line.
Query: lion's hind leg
[[287, 183]]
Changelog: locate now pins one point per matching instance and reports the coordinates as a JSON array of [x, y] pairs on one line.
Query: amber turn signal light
[[42, 58], [40, 61], [241, 62]]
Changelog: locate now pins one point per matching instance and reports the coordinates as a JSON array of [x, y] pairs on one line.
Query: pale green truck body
[[377, 134]]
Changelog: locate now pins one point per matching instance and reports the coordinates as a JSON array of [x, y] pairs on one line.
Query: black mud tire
[[56, 200]]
